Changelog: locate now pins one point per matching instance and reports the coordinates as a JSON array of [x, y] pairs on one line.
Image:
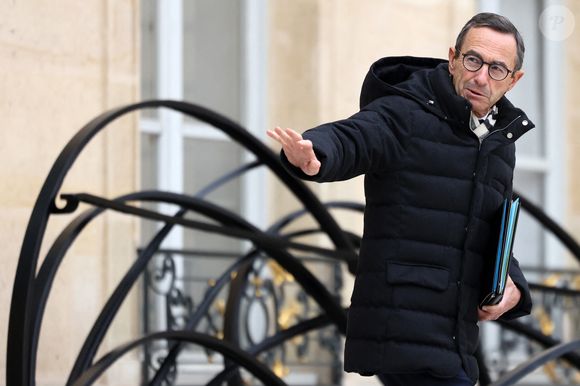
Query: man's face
[[478, 87]]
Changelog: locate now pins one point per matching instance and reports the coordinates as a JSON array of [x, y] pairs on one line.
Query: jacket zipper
[[459, 282], [495, 131]]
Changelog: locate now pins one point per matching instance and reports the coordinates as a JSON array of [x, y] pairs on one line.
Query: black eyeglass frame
[[488, 66]]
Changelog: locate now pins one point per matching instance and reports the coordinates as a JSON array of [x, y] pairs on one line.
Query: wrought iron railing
[[270, 301], [263, 356], [548, 300], [554, 318]]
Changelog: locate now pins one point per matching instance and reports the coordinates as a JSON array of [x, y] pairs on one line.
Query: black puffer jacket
[[432, 193]]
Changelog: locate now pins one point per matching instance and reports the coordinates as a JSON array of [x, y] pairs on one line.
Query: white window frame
[[173, 130]]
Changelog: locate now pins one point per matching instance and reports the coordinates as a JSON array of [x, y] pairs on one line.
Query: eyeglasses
[[496, 71]]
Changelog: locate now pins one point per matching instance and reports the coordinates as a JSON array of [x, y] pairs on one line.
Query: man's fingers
[[481, 315], [305, 143], [511, 298], [293, 135], [272, 134], [289, 137], [485, 314], [299, 151], [277, 134], [293, 141], [311, 168], [280, 136], [493, 312]]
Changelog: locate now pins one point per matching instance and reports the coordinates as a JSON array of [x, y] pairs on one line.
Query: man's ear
[[514, 79], [451, 62]]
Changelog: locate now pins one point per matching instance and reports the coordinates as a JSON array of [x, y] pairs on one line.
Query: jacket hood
[[392, 75]]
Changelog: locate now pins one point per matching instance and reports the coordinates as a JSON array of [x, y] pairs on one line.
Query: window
[[211, 53]]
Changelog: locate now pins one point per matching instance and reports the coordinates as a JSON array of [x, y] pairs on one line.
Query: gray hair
[[497, 23]]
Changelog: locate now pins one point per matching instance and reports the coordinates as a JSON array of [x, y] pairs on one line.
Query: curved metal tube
[[197, 316], [254, 235], [273, 341], [109, 311], [259, 370], [536, 361], [49, 267], [20, 370], [293, 216], [310, 283], [52, 262], [235, 289], [556, 229], [537, 336], [47, 272]]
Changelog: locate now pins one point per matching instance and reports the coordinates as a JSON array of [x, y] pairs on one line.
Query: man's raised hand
[[299, 151]]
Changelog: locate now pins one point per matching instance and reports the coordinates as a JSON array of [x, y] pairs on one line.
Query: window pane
[[149, 179], [205, 161], [149, 49], [528, 93], [529, 245], [211, 54]]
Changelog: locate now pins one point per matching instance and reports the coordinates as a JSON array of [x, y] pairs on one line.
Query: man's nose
[[482, 75]]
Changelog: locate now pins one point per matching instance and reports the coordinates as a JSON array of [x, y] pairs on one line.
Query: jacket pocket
[[428, 276]]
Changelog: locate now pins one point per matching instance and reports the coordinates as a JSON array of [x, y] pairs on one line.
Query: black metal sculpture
[[33, 284]]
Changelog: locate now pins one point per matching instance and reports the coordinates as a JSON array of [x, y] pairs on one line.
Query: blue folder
[[507, 229]]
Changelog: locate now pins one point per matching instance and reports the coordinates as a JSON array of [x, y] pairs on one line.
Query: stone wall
[[572, 121], [62, 64]]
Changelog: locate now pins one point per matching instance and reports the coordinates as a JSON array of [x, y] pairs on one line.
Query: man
[[435, 140]]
